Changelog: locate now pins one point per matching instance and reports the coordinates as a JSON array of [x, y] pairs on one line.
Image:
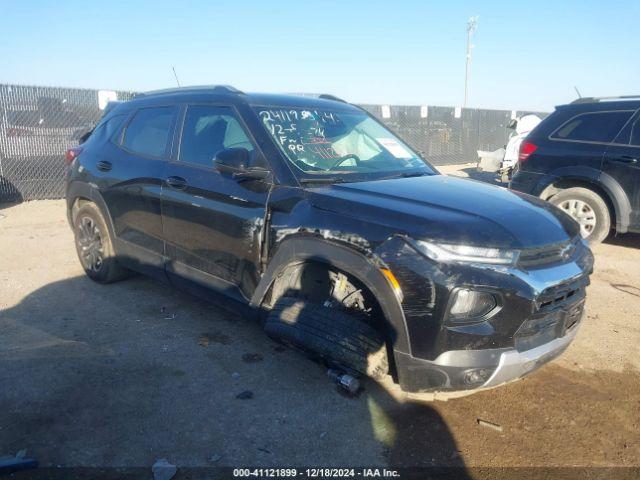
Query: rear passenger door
[[622, 162], [133, 177], [212, 222]]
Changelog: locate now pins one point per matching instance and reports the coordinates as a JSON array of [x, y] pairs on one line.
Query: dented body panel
[[217, 232]]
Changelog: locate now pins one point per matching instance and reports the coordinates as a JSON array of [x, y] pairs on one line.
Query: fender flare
[[300, 249], [606, 182], [77, 190]]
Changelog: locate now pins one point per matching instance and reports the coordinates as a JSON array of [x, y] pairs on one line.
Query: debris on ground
[[279, 348], [494, 426], [163, 470], [630, 289], [215, 458], [206, 339], [252, 357], [246, 395], [235, 375], [345, 381]]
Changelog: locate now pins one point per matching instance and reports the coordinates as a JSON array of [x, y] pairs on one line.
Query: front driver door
[[212, 223]]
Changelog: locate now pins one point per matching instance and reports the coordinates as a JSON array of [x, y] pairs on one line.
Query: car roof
[[230, 95], [603, 103]]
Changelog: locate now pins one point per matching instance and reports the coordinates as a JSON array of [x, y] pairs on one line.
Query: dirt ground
[[124, 374]]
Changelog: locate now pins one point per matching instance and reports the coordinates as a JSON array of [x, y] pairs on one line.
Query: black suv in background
[[585, 159], [343, 240]]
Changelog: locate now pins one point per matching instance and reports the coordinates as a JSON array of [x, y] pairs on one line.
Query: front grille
[[554, 253], [561, 295], [558, 310]]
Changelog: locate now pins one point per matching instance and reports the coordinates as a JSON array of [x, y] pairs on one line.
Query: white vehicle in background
[[503, 160]]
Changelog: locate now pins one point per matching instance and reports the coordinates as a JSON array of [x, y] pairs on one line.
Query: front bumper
[[540, 312], [451, 369], [514, 364]]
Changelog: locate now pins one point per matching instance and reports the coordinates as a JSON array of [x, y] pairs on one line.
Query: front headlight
[[447, 253]]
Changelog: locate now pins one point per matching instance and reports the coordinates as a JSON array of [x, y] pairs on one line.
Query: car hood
[[451, 210]]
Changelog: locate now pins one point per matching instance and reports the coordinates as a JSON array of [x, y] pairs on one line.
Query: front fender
[[366, 269]]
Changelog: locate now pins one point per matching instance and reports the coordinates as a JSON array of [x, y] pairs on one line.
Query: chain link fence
[[38, 125]]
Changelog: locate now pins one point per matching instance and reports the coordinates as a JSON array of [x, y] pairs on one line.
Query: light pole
[[472, 24]]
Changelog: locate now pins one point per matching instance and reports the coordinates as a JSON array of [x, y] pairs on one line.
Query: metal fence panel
[[38, 125]]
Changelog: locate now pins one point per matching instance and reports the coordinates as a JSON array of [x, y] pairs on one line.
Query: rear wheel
[[588, 209], [94, 246]]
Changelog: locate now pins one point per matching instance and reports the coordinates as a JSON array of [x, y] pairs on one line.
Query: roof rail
[[327, 96], [605, 99], [211, 88]]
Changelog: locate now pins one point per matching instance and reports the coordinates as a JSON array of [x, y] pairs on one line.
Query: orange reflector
[[394, 282]]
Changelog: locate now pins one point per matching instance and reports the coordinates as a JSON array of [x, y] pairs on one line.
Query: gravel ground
[[124, 374]]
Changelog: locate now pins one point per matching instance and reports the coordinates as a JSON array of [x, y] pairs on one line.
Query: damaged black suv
[[345, 242]]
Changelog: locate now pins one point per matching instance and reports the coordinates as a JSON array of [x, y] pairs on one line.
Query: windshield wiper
[[407, 175], [321, 180], [413, 174]]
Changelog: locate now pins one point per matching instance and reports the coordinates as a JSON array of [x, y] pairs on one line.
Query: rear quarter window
[[108, 129], [601, 127], [149, 131]]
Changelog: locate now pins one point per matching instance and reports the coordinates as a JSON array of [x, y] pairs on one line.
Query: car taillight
[[72, 154], [526, 149]]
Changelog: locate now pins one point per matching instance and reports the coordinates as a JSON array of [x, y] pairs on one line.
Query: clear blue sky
[[527, 55]]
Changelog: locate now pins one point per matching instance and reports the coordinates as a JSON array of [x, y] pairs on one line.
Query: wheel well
[[77, 203], [563, 184], [322, 282]]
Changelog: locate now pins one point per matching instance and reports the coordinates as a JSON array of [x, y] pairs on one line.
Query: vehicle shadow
[[629, 240], [96, 376]]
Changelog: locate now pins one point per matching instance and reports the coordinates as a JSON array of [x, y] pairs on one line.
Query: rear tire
[[588, 208], [336, 336], [94, 246]]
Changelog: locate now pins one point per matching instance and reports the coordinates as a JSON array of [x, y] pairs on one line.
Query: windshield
[[333, 142]]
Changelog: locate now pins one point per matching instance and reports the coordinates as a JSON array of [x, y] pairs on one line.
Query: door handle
[[178, 183], [103, 166], [625, 159]]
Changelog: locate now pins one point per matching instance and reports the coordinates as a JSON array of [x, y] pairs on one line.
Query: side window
[[593, 127], [149, 131], [208, 129], [105, 129], [635, 133]]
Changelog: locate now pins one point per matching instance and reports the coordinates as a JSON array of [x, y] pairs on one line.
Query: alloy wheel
[[582, 213], [90, 245]]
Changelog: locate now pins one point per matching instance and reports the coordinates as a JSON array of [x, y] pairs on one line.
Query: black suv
[[584, 158], [339, 236]]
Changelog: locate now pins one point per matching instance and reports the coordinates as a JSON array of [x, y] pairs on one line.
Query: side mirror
[[512, 124], [235, 161], [232, 159]]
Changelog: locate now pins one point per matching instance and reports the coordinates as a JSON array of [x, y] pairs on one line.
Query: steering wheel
[[344, 158]]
